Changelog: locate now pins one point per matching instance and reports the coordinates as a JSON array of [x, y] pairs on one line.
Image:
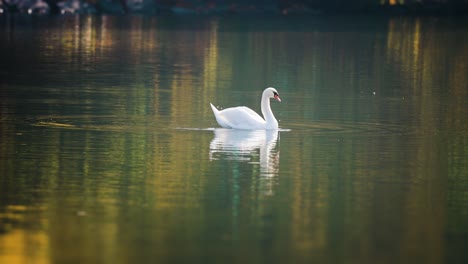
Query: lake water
[[109, 151]]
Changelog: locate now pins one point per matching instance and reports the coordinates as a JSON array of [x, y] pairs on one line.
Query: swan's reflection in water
[[257, 147]]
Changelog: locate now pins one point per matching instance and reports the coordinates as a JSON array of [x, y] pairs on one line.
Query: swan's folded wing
[[219, 118], [242, 117]]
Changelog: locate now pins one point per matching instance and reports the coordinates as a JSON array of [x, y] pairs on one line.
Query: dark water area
[[109, 151]]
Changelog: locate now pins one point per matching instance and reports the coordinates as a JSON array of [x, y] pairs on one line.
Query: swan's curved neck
[[267, 113]]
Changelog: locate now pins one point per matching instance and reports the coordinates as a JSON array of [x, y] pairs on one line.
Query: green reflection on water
[[108, 152]]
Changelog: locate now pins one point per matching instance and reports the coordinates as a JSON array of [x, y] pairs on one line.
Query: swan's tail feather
[[215, 110], [219, 118]]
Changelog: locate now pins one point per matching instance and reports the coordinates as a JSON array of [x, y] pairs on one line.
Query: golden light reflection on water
[[130, 185], [19, 245], [211, 71]]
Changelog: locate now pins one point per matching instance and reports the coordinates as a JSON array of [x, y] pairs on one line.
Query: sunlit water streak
[[110, 153]]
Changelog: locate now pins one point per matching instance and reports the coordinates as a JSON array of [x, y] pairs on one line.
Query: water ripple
[[349, 127]]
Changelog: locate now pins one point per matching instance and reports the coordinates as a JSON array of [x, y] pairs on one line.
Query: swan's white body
[[242, 117]]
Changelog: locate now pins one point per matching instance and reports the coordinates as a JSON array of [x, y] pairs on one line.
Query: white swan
[[242, 117]]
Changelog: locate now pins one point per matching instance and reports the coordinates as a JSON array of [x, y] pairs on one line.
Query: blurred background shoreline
[[235, 7]]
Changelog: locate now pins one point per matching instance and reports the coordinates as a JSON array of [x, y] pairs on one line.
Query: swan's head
[[272, 93]]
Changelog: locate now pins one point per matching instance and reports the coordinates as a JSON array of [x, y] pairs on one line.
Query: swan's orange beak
[[277, 97]]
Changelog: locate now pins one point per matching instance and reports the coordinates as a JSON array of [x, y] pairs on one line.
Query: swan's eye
[[275, 93]]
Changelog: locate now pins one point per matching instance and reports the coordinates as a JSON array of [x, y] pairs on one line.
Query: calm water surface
[[109, 152]]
